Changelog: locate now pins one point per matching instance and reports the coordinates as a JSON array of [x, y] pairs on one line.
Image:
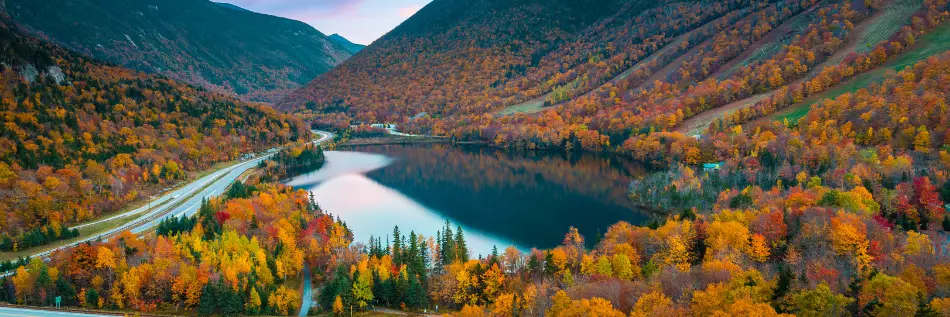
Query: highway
[[23, 312], [183, 201]]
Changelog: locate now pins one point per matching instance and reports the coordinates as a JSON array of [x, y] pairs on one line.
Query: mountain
[[352, 47], [454, 48], [462, 54], [231, 6], [602, 73], [82, 138], [256, 56]]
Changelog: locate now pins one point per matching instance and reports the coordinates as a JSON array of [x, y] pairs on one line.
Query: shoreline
[[394, 140]]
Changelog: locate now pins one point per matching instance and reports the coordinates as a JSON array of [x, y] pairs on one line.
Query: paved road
[[307, 301], [21, 312], [183, 201]]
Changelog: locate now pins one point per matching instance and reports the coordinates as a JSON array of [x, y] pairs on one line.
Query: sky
[[360, 21]]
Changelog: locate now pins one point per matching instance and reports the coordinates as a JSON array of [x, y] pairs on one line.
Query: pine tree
[[415, 294], [208, 302], [339, 286], [462, 250], [423, 260], [231, 303], [448, 247], [66, 290], [494, 256], [92, 298], [397, 247], [412, 254], [439, 259], [533, 266], [380, 289], [549, 267]]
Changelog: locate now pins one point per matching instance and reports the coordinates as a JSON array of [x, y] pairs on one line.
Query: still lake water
[[498, 197]]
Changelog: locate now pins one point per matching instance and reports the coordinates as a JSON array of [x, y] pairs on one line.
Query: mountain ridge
[[256, 56], [352, 47]]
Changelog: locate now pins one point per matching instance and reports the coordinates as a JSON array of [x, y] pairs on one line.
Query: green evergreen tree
[[462, 249], [415, 293], [67, 291], [493, 260], [231, 303], [448, 247], [339, 286], [397, 247], [533, 266], [208, 302], [92, 298], [549, 267]]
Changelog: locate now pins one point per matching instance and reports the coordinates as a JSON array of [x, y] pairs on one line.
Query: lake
[[498, 197]]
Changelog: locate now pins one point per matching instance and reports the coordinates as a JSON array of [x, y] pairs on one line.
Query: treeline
[[36, 237]]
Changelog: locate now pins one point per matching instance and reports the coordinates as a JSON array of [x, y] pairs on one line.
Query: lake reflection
[[500, 198]]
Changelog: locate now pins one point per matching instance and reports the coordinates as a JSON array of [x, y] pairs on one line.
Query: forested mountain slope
[[81, 138], [257, 56], [450, 51], [543, 74]]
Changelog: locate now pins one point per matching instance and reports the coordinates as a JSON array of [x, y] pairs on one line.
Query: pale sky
[[360, 21]]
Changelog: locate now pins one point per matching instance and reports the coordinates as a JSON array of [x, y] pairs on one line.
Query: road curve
[[183, 201]]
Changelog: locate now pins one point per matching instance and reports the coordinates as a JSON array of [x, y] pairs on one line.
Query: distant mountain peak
[[350, 46]]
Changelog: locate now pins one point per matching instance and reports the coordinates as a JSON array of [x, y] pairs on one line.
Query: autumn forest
[[792, 157]]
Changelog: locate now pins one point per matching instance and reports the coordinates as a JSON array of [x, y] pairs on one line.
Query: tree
[[621, 267], [92, 298], [758, 250], [208, 304], [253, 305], [653, 304], [231, 302], [461, 248], [894, 296], [23, 283], [338, 305], [945, 191], [818, 302], [362, 289]]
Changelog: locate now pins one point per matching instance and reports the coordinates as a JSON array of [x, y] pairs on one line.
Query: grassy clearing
[[530, 106], [936, 42], [894, 16]]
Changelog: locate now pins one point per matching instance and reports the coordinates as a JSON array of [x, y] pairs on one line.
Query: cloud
[[406, 12]]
